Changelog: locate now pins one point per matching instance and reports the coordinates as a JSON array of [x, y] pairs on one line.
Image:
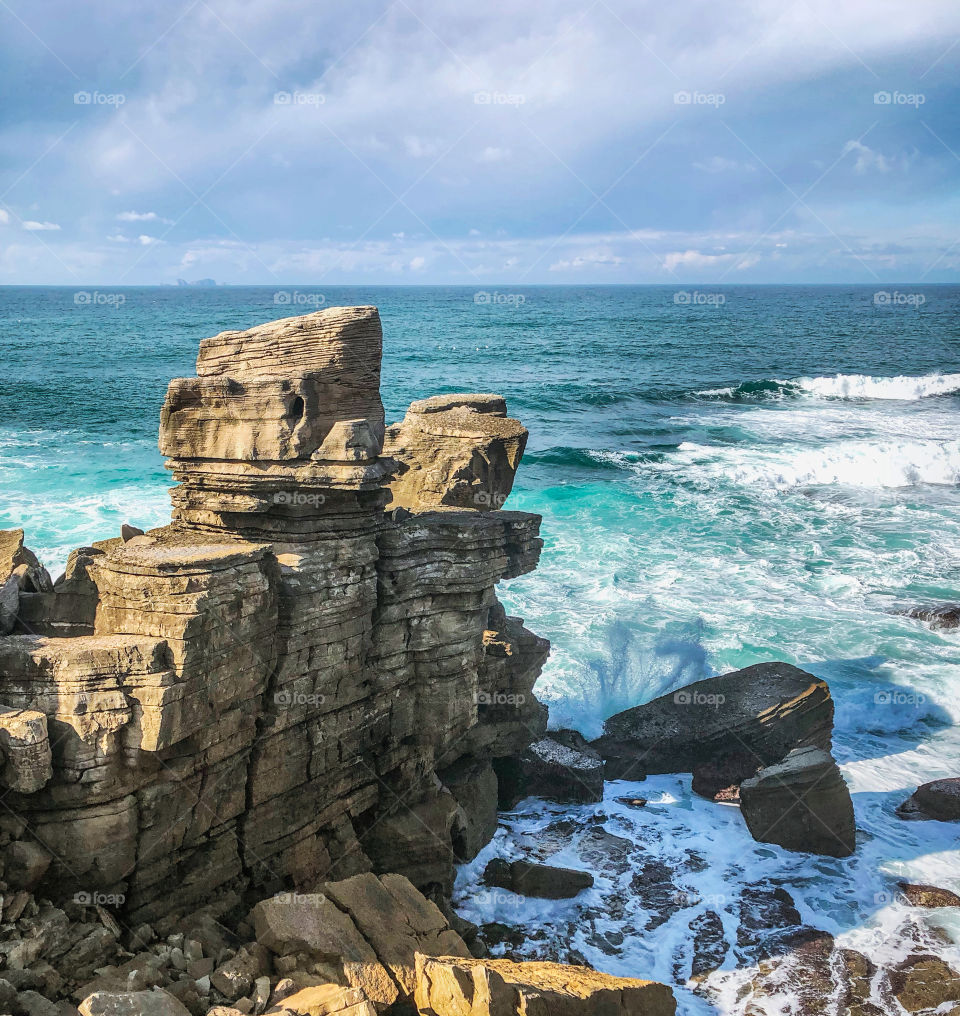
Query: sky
[[429, 142]]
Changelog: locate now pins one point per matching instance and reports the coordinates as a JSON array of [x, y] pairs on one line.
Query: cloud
[[4, 217], [36, 227], [146, 241], [867, 158], [587, 259], [140, 217], [694, 259], [417, 264]]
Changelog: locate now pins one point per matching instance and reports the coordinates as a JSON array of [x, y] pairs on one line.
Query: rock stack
[[288, 684]]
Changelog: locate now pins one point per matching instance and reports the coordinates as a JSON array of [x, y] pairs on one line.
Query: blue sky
[[427, 142]]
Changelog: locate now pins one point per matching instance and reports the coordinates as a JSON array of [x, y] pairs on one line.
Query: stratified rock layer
[[271, 691], [759, 714]]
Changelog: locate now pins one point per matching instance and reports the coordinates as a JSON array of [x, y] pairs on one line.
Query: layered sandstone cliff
[[307, 674]]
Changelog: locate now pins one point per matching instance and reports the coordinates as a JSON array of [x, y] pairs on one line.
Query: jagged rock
[[9, 604], [939, 799], [460, 451], [919, 895], [397, 921], [31, 1003], [134, 1003], [540, 880], [313, 924], [924, 982], [474, 786], [457, 987], [25, 864], [802, 804], [561, 767], [128, 532], [25, 754], [238, 975], [327, 1000], [938, 616], [765, 710], [14, 555], [269, 691]]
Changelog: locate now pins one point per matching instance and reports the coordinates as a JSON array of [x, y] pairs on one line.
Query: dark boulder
[[764, 711], [801, 804], [939, 799], [540, 880]]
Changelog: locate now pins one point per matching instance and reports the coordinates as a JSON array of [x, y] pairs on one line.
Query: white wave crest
[[848, 463], [863, 386]]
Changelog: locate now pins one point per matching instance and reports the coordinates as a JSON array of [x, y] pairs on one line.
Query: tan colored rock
[[135, 1003], [450, 986], [24, 750], [397, 921], [327, 1000], [313, 924], [459, 451], [239, 699]]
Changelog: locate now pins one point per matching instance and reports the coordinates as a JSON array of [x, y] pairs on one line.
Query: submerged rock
[[924, 982], [763, 712], [527, 879], [939, 799], [920, 895], [938, 616], [801, 804]]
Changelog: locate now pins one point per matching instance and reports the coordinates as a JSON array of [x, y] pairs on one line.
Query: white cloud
[[4, 217], [694, 259], [140, 217], [147, 241], [36, 227], [867, 158], [117, 238], [587, 259], [417, 264]]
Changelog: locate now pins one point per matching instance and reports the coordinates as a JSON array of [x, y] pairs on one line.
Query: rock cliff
[[296, 680]]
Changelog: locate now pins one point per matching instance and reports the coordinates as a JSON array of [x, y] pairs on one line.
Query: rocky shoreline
[[242, 754]]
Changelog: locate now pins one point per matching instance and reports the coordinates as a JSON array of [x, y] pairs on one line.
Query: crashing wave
[[903, 387]]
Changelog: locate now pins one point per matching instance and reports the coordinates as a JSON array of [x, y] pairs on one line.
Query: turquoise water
[[713, 493]]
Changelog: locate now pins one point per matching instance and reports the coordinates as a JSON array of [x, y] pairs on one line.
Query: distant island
[[199, 282]]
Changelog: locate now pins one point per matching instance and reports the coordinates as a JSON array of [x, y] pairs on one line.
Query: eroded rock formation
[[287, 684]]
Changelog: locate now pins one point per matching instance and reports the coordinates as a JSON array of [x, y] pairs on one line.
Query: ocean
[[727, 475]]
